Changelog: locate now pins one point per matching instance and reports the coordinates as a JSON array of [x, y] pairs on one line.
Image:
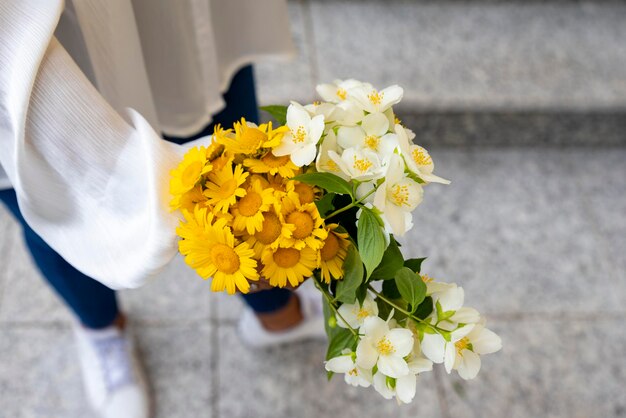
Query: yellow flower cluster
[[244, 216]]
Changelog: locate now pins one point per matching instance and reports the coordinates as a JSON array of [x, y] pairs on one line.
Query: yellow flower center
[[249, 204], [362, 314], [287, 257], [304, 224], [362, 165], [426, 278], [372, 142], [375, 97], [397, 121], [400, 194], [385, 347], [299, 135], [271, 229], [305, 193], [342, 93], [227, 188], [353, 372], [330, 165], [191, 173], [251, 139], [461, 345], [330, 248], [420, 157], [317, 103], [273, 161], [225, 258]]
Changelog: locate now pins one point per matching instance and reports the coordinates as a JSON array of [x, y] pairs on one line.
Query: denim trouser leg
[[93, 303]]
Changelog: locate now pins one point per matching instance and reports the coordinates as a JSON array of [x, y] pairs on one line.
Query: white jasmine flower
[[396, 197], [355, 314], [353, 374], [304, 133], [433, 346], [417, 158], [463, 354], [337, 91], [324, 163], [372, 135], [359, 164], [364, 189], [372, 100], [329, 110], [384, 347], [433, 286], [349, 114]]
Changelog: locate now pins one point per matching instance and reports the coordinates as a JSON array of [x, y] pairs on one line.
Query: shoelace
[[113, 357]]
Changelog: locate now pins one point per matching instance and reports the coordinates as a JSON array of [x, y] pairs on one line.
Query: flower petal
[[350, 136], [406, 387], [487, 342], [449, 357], [340, 364], [297, 116], [433, 347], [470, 365], [393, 366], [380, 384], [366, 354], [402, 341], [375, 124]]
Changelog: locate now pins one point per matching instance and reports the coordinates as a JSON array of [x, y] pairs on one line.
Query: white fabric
[[92, 177]]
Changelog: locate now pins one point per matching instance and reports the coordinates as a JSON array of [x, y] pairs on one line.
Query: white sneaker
[[113, 377], [254, 335]]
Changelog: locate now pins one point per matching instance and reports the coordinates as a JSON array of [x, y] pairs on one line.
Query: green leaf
[[325, 204], [411, 286], [414, 264], [353, 277], [278, 112], [392, 262], [327, 181], [371, 240], [361, 293], [425, 308], [390, 290], [341, 339]]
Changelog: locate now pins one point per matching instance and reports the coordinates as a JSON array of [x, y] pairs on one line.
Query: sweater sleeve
[[91, 182]]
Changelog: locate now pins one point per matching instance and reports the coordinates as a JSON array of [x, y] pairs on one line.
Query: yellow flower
[[288, 264], [223, 189], [306, 193], [274, 231], [213, 253], [333, 253], [269, 163], [190, 199], [308, 225], [184, 177], [248, 138], [248, 211], [194, 226]]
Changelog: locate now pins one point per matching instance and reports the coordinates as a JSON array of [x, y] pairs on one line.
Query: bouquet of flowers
[[323, 195]]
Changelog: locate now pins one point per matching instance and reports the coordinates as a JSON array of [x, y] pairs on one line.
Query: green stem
[[332, 306], [404, 311], [351, 205]]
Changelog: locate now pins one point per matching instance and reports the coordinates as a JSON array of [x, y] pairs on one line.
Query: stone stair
[[482, 72]]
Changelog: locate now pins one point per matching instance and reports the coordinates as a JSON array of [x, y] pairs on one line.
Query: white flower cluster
[[354, 134], [391, 353]]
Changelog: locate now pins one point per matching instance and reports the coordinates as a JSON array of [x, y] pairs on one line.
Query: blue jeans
[[94, 304]]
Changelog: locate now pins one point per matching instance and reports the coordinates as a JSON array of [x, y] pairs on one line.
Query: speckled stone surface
[[517, 237], [547, 369], [283, 80], [291, 382], [479, 54]]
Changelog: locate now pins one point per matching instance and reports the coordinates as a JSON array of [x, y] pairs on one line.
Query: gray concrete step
[[479, 72]]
